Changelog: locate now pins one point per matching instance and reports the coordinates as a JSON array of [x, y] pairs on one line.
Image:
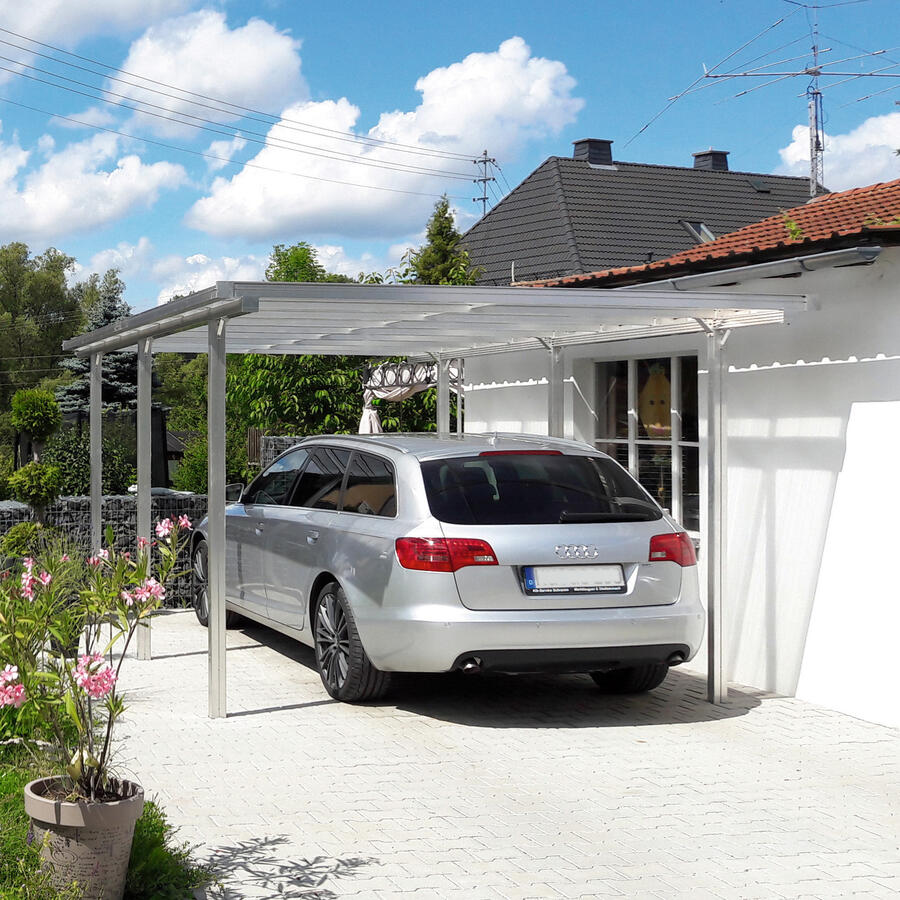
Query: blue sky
[[431, 84]]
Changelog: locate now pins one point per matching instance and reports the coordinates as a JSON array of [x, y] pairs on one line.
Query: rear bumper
[[437, 636], [579, 659]]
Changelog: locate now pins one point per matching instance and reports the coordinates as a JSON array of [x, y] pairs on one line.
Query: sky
[[179, 140]]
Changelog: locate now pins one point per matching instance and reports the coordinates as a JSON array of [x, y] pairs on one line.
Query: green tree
[[439, 260], [299, 262], [182, 388], [103, 304], [37, 313]]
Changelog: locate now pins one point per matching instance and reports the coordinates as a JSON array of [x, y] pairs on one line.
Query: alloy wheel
[[201, 590], [332, 641]]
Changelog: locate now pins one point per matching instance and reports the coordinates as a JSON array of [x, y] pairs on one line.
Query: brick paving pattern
[[509, 787]]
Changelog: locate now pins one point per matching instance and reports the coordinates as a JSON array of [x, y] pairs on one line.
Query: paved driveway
[[507, 786]]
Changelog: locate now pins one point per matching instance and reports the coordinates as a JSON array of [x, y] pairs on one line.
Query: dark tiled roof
[[569, 217], [830, 220]]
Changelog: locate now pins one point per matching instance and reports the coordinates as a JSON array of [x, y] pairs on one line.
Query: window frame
[[313, 449], [390, 465], [675, 443], [293, 484]]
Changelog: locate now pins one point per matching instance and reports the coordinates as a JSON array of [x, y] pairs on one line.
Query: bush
[[23, 539], [36, 412], [192, 473], [6, 469], [36, 484], [71, 453]]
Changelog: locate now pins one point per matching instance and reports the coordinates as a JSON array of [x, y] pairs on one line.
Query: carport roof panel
[[334, 318]]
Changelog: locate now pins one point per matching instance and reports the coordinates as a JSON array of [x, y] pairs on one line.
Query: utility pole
[[485, 162]]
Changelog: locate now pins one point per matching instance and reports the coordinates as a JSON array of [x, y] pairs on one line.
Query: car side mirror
[[233, 492]]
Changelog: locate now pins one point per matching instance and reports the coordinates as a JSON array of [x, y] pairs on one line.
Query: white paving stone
[[502, 786]]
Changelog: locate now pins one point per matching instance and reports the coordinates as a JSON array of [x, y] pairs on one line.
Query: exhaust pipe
[[471, 666], [676, 659]]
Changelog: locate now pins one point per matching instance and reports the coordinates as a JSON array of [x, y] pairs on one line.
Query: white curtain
[[395, 382]]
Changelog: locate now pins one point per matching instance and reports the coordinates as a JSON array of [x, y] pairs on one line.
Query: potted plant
[[84, 819]]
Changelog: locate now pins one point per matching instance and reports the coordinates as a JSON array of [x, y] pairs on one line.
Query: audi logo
[[577, 551]]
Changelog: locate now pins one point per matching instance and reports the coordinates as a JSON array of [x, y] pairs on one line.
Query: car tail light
[[677, 548], [444, 554]]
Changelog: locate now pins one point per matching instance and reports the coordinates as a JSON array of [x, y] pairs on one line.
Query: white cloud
[[93, 115], [254, 66], [84, 186], [224, 151], [497, 100], [130, 259], [335, 259], [68, 21], [863, 156], [183, 274]]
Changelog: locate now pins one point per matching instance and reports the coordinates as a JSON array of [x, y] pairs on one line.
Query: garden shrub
[[23, 539], [6, 469], [70, 451], [36, 484], [36, 412]]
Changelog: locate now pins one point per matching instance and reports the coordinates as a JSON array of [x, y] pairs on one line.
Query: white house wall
[[798, 396]]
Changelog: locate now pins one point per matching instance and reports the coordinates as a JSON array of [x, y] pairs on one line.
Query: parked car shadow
[[254, 866], [538, 701]]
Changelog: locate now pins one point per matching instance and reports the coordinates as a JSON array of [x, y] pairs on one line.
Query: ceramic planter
[[87, 842]]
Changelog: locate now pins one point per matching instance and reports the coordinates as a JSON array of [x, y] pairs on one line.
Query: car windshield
[[533, 488]]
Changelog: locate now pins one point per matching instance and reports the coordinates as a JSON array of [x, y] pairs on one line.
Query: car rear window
[[533, 489]]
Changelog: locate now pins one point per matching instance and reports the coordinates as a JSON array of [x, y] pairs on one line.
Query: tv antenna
[[814, 69]]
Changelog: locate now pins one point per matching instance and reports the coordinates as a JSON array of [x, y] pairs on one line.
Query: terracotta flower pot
[[85, 842]]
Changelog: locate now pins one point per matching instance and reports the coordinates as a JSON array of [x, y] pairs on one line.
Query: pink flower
[[46, 578], [28, 562], [143, 543], [150, 590], [94, 560], [28, 583], [128, 598], [163, 528], [64, 558], [127, 555], [12, 695], [184, 522], [103, 553], [95, 681], [10, 673]]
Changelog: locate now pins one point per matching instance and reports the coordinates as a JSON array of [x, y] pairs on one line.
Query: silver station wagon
[[413, 553]]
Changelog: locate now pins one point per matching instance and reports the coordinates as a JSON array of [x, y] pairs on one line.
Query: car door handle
[[258, 530], [312, 537]]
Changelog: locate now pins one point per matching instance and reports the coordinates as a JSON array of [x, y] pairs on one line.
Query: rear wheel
[[200, 577], [633, 680], [345, 669]]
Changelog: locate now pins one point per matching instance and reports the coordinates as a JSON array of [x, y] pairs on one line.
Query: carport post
[[216, 510], [443, 397], [144, 374], [460, 395], [96, 429], [716, 486], [555, 395]]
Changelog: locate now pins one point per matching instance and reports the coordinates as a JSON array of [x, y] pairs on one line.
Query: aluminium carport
[[442, 323]]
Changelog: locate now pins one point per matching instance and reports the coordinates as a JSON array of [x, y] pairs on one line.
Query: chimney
[[711, 160], [594, 150]]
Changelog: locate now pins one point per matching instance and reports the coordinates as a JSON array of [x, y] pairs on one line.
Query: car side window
[[319, 487], [370, 488], [274, 485]]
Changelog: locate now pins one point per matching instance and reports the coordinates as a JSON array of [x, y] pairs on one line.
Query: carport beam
[[443, 397], [96, 428], [144, 375], [555, 395], [216, 510], [717, 685]]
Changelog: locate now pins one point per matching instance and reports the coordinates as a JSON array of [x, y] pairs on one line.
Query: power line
[[232, 133], [244, 109], [225, 159]]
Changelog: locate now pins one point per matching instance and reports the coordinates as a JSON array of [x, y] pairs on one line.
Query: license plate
[[588, 579]]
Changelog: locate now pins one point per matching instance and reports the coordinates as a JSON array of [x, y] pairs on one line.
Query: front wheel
[[346, 671], [633, 680], [200, 591]]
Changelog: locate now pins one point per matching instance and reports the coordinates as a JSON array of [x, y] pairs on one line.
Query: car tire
[[199, 587], [346, 671], [633, 680]]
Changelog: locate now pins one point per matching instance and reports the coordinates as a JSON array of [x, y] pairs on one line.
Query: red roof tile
[[857, 212]]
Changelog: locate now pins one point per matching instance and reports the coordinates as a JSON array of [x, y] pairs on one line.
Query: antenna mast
[[485, 162], [816, 115]]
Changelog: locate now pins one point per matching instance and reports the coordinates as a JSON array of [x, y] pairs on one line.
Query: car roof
[[427, 445]]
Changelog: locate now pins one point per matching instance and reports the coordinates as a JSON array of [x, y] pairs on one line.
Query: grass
[[160, 867]]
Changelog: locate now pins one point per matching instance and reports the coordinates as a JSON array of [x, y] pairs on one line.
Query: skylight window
[[698, 231]]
